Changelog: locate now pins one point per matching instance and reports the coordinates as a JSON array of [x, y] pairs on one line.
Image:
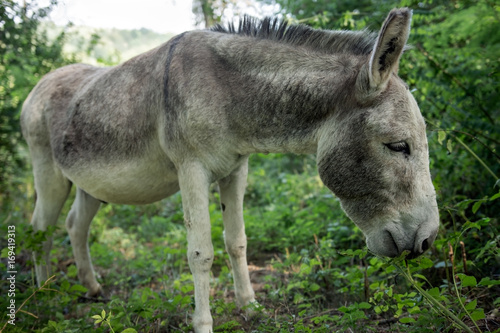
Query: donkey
[[191, 111]]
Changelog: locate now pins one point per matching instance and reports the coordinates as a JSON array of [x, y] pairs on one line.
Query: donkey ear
[[389, 47]]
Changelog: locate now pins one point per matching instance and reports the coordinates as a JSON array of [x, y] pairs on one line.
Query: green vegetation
[[103, 46], [310, 267], [26, 54]]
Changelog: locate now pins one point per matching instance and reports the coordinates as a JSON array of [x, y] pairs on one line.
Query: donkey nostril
[[425, 245], [419, 251]]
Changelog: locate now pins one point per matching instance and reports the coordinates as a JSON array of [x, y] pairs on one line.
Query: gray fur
[[191, 111]]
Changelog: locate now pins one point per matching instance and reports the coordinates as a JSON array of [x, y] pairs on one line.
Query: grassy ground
[[309, 267]]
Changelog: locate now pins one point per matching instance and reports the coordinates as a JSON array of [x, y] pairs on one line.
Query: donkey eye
[[401, 147]]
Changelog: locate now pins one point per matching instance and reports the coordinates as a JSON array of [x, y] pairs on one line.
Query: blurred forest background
[[309, 263]]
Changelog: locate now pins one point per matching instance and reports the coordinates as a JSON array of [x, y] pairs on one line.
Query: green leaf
[[467, 281], [424, 262], [78, 288], [415, 309], [364, 305], [449, 145], [476, 206], [129, 330], [434, 292], [488, 282], [65, 286], [420, 276], [441, 136], [390, 269], [471, 305], [496, 196], [72, 271], [478, 314], [358, 314], [464, 204], [144, 297], [176, 300], [343, 309], [406, 320], [314, 287], [478, 224]]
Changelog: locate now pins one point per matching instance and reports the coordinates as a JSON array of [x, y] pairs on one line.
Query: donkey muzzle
[[392, 241]]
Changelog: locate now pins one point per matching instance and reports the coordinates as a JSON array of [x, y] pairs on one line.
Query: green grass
[[309, 265]]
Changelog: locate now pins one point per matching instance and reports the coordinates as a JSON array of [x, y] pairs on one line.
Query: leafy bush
[[24, 54]]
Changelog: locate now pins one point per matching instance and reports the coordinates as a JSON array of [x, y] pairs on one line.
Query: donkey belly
[[130, 182]]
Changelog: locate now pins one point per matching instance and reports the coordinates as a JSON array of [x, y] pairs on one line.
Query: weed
[[314, 275]]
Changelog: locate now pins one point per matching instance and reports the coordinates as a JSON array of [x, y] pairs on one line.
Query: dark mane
[[341, 41]]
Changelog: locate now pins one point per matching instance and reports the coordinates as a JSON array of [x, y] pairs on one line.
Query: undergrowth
[[309, 267]]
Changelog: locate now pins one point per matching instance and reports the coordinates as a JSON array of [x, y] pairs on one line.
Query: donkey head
[[374, 156]]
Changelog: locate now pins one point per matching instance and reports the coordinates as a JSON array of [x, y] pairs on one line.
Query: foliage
[[454, 67], [310, 268], [344, 14], [26, 54], [105, 46], [204, 11], [210, 12], [304, 281], [106, 318]]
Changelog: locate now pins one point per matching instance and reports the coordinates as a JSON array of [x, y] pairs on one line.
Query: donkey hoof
[[95, 294], [203, 328], [95, 291]]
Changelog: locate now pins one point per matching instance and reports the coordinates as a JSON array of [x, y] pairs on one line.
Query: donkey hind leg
[[232, 189], [52, 190], [78, 221], [194, 184]]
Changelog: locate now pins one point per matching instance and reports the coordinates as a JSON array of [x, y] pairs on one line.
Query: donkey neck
[[283, 94]]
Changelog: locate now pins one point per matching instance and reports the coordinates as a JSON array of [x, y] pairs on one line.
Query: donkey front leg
[[194, 184], [77, 223], [232, 190]]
